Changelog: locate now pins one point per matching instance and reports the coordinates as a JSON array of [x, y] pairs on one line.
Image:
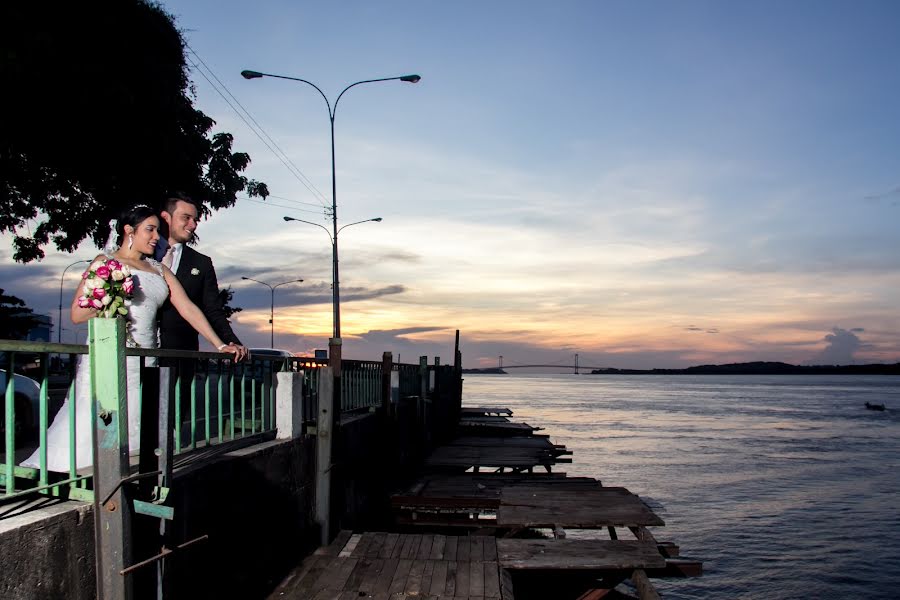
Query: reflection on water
[[785, 486]]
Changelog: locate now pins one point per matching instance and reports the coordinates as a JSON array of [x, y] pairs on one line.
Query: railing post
[[112, 519], [323, 452], [387, 367], [289, 404]]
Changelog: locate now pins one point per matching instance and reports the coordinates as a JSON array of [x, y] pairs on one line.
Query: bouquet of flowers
[[108, 287]]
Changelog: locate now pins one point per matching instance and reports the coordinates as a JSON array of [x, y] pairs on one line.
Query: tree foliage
[[226, 295], [16, 319], [98, 115]]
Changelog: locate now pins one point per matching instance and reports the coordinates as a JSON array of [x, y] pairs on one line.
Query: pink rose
[[113, 264], [103, 272], [99, 293], [85, 274], [96, 303], [128, 285], [84, 302]]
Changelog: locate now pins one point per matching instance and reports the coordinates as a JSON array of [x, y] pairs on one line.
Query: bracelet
[[222, 346]]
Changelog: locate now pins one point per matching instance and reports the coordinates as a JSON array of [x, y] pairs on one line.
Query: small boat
[[871, 406]]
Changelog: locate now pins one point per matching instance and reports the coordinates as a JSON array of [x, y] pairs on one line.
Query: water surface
[[785, 486]]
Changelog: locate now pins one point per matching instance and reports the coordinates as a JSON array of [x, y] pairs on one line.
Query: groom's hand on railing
[[240, 352]]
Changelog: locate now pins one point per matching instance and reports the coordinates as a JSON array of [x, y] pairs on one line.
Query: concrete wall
[[254, 504]]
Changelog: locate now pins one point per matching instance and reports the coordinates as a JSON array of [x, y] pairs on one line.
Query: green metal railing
[[215, 400]]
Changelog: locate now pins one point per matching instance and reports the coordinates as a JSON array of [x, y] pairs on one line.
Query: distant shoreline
[[762, 368], [750, 368]]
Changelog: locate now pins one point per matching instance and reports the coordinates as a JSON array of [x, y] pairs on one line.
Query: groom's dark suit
[[198, 277]]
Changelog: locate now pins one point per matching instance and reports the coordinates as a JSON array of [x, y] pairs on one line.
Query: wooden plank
[[376, 542], [398, 583], [425, 546], [476, 548], [451, 547], [438, 578], [370, 576], [506, 585], [450, 583], [351, 545], [476, 578], [358, 575], [411, 544], [491, 579], [578, 554], [414, 578], [306, 585], [437, 547], [391, 547], [427, 574], [386, 575], [335, 575], [576, 509], [336, 545], [463, 550], [490, 548], [642, 584], [462, 577]]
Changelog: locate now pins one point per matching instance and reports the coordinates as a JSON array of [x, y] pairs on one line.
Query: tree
[[226, 295], [98, 115], [16, 319]]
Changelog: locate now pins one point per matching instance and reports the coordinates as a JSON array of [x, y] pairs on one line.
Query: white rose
[[118, 275], [95, 265], [106, 300]]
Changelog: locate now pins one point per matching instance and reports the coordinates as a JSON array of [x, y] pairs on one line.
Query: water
[[784, 486]]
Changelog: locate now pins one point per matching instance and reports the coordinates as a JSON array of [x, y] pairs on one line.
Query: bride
[[138, 234]]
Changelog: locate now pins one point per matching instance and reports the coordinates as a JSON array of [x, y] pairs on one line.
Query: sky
[[644, 184]]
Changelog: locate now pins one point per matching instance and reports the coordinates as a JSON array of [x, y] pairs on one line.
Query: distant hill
[[488, 371], [762, 368]]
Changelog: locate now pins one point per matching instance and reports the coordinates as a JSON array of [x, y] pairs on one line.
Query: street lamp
[[59, 327], [335, 285], [336, 294], [272, 310]]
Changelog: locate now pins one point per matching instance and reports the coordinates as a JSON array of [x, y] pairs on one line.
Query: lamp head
[[245, 278], [254, 74], [288, 218], [406, 78], [377, 219]]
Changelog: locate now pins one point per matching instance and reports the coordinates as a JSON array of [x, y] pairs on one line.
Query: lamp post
[[336, 297], [272, 310], [336, 293], [61, 278]]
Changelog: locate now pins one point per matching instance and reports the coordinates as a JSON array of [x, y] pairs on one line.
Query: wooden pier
[[466, 529]]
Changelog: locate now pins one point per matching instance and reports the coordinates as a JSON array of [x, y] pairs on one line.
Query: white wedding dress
[[150, 291]]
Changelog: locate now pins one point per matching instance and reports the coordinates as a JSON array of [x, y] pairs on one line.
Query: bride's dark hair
[[132, 216]]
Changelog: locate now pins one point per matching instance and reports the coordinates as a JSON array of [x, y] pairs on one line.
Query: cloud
[[842, 345]]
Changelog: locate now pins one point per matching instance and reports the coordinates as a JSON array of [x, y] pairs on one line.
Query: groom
[[196, 274]]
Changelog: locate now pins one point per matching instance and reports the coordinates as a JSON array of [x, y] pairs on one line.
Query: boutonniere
[[195, 271]]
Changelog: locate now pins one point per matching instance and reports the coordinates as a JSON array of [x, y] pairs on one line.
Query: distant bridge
[[575, 366]]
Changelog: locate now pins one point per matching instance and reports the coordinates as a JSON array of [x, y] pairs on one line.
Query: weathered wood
[[484, 411], [574, 509], [578, 554], [678, 567], [642, 584]]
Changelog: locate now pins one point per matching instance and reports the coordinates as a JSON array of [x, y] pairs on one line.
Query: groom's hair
[[174, 198]]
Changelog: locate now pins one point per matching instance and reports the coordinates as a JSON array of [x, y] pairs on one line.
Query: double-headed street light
[[335, 287], [59, 326], [334, 236], [272, 310]]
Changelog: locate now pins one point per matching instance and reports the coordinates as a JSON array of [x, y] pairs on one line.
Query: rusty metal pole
[[112, 507]]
